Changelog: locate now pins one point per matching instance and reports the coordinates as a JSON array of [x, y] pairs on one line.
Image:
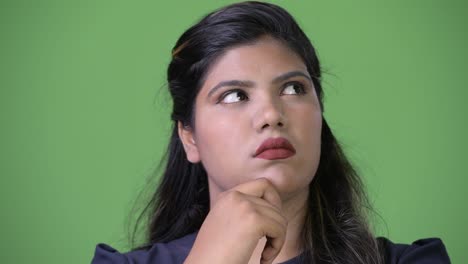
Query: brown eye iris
[[233, 97], [293, 88]]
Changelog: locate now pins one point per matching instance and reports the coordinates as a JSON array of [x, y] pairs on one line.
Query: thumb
[[272, 249]]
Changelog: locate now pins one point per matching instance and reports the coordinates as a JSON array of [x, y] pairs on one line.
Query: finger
[[275, 241], [269, 253], [269, 223], [272, 225], [261, 188], [268, 210]]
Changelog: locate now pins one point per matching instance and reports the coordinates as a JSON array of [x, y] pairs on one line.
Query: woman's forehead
[[266, 57]]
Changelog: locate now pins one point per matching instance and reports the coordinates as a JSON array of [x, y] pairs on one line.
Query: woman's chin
[[287, 184]]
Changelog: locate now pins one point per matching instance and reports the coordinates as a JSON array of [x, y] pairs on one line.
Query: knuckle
[[252, 218], [232, 196], [246, 207], [264, 182]]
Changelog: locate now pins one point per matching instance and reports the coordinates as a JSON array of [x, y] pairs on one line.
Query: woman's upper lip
[[274, 143]]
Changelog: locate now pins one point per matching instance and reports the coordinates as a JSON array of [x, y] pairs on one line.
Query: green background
[[84, 114]]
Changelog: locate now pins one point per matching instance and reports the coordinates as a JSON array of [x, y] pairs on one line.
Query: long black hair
[[335, 229]]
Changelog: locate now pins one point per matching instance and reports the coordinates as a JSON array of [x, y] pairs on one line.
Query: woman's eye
[[293, 88], [233, 97]]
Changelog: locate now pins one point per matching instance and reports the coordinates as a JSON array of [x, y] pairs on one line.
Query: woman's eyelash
[[230, 97], [237, 95], [297, 87]]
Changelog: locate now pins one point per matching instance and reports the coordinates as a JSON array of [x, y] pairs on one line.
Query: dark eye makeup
[[293, 88], [232, 96], [237, 95]]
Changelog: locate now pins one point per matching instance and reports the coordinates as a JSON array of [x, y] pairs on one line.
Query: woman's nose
[[269, 114]]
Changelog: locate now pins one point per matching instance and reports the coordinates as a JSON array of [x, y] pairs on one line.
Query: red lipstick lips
[[275, 148]]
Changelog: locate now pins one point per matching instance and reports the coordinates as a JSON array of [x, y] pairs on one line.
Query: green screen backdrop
[[84, 114]]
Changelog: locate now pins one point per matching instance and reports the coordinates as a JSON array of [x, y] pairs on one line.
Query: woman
[[254, 173]]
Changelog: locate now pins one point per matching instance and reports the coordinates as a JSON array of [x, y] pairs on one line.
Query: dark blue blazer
[[423, 251]]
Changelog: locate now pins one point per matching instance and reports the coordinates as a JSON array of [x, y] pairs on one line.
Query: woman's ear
[[188, 141]]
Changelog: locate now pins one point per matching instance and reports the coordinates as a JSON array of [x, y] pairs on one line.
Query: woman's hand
[[237, 221]]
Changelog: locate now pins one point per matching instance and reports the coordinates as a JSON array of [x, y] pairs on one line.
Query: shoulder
[[171, 252], [422, 251]]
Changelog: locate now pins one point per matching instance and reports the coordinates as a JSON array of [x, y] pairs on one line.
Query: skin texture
[[257, 205]]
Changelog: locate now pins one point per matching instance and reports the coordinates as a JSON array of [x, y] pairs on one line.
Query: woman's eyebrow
[[247, 84], [285, 76], [237, 83]]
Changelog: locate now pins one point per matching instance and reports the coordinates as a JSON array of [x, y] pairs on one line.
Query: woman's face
[[254, 95]]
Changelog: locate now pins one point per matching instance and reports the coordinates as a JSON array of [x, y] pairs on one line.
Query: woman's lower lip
[[274, 154]]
